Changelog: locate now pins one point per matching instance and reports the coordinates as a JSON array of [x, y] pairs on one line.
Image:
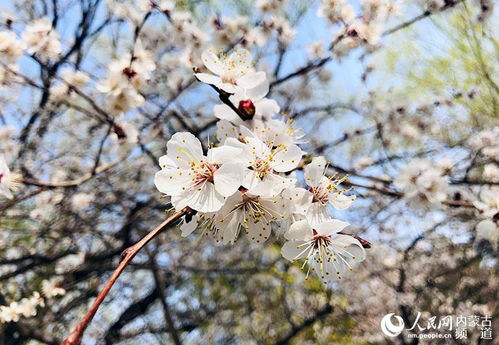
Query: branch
[[129, 314], [396, 194], [365, 243], [128, 254], [71, 183], [166, 310], [328, 309], [423, 15], [382, 186], [224, 97], [13, 202], [321, 62]]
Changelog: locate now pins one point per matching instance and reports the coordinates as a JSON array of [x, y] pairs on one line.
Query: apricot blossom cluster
[[248, 183]]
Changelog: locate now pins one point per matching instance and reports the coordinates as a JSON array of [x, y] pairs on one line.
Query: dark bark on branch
[[326, 310]]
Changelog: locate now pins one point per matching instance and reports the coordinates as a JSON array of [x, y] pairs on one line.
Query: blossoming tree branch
[[262, 172]]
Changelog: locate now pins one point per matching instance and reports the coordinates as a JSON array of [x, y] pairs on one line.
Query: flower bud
[[247, 108]]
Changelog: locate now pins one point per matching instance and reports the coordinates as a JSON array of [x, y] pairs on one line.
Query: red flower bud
[[247, 108]]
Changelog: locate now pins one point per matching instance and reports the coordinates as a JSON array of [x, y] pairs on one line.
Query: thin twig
[[313, 65], [365, 243], [128, 254], [71, 183], [225, 98]]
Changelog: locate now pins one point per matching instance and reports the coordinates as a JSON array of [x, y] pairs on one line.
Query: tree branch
[[75, 337], [327, 309]]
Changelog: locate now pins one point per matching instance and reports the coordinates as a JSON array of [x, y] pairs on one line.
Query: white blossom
[[50, 289], [76, 79], [42, 39], [264, 165], [195, 180], [8, 181], [330, 254], [422, 182], [10, 47], [246, 184], [336, 11], [125, 79], [134, 10], [285, 31], [324, 191], [270, 6], [26, 307], [232, 72], [129, 135], [316, 49], [253, 214], [250, 102], [488, 202]]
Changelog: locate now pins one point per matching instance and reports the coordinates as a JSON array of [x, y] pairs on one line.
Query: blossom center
[[320, 240], [261, 167], [228, 79], [203, 173], [253, 210], [129, 72], [319, 194]]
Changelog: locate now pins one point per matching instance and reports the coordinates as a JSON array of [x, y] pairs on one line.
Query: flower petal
[[349, 247], [314, 171], [212, 61], [225, 130], [172, 181], [240, 62], [287, 159], [300, 199], [270, 186], [245, 156], [341, 201], [258, 148], [228, 178], [203, 199], [184, 148], [291, 250], [330, 227], [317, 213], [267, 108], [258, 231], [258, 92], [299, 231], [188, 228], [229, 227], [223, 154], [224, 112], [166, 162], [209, 78], [251, 80]]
